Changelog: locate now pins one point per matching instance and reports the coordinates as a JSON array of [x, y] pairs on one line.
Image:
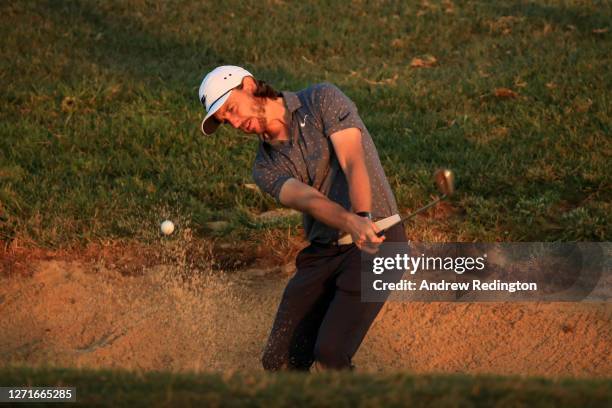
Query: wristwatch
[[365, 214]]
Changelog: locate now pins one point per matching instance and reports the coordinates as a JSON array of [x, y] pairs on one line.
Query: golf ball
[[167, 227]]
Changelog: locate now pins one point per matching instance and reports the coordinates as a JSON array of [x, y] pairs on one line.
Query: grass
[[124, 388], [99, 121]]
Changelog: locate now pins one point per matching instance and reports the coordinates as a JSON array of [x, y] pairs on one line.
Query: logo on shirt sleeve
[[344, 116]]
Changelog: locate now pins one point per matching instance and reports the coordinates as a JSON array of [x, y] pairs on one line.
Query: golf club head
[[445, 181]]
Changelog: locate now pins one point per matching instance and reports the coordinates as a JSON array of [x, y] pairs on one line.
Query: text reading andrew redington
[[459, 265]]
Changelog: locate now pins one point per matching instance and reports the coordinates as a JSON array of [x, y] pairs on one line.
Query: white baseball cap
[[216, 87]]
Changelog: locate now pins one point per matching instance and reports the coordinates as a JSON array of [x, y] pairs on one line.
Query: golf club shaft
[[414, 213]]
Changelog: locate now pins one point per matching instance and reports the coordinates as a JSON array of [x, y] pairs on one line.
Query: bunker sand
[[82, 314]]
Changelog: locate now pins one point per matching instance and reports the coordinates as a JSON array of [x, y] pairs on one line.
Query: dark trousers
[[321, 317]]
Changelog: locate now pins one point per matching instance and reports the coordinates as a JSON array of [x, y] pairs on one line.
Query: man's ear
[[248, 84]]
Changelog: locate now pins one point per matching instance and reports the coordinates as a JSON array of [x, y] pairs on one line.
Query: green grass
[[124, 388], [127, 152]]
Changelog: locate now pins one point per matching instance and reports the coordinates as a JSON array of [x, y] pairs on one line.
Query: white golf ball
[[167, 227]]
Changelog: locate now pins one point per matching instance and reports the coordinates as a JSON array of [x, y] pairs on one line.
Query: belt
[[318, 244]]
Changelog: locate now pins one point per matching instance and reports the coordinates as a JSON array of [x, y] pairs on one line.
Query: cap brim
[[210, 123]]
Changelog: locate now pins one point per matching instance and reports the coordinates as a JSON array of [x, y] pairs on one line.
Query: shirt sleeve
[[269, 179], [338, 111]]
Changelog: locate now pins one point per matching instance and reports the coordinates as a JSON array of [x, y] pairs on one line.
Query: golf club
[[445, 182]]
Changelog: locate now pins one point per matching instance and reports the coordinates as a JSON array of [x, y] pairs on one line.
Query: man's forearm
[[328, 212], [302, 197], [359, 186]]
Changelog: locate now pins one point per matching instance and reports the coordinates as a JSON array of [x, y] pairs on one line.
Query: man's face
[[243, 111]]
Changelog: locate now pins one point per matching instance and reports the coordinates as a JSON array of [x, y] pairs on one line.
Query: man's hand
[[364, 231]]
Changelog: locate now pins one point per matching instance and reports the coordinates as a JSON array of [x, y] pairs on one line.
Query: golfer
[[314, 155]]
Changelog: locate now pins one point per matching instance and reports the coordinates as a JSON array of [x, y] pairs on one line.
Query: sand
[[87, 314]]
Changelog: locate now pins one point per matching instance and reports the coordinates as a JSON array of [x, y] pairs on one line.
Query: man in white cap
[[315, 155]]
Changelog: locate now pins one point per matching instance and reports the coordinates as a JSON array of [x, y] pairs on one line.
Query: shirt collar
[[291, 101]]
